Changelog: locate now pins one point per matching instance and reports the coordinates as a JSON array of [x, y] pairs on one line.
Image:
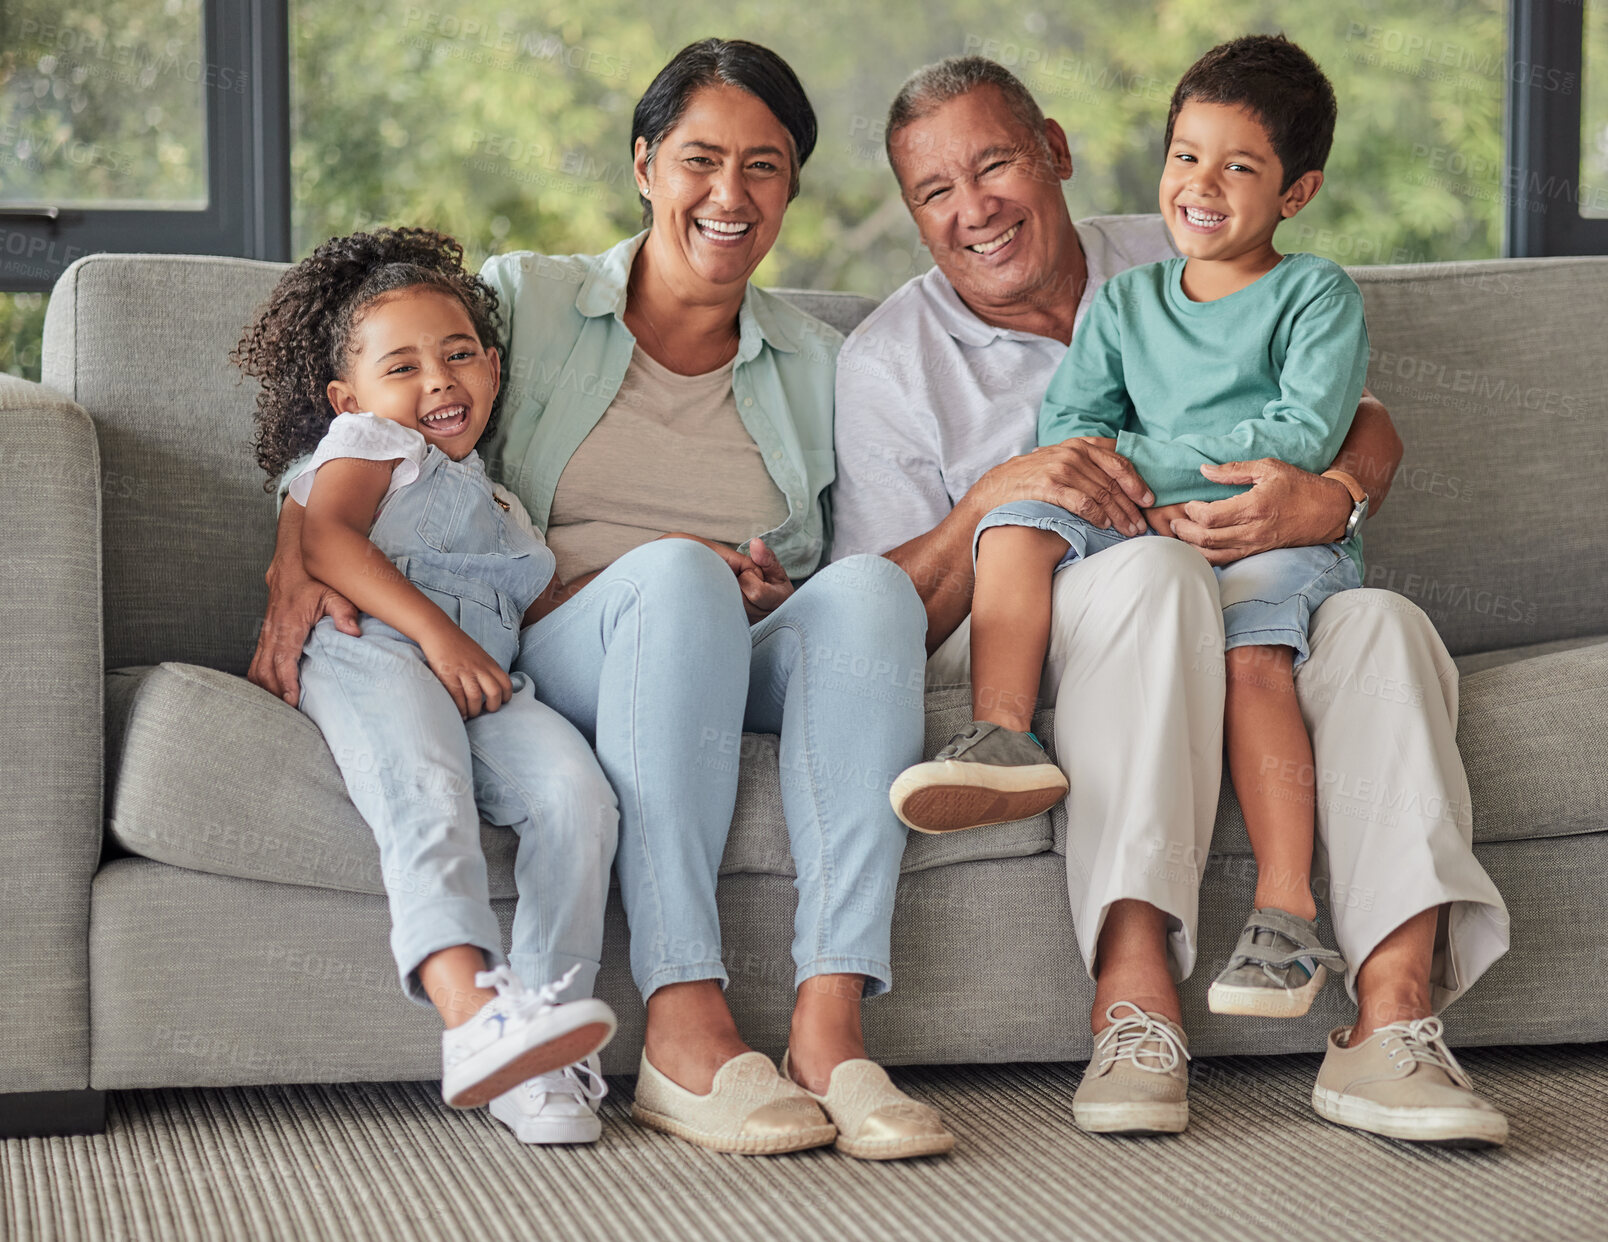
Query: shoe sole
[[901, 1149], [1135, 1119], [948, 796], [768, 1145], [563, 1049], [1446, 1127], [1269, 1002]]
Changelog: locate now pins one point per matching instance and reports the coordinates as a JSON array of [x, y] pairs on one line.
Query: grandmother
[[669, 425]]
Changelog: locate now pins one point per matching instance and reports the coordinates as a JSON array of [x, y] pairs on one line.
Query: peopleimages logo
[[1431, 376]]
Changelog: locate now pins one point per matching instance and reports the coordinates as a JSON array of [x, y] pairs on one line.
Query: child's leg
[[535, 773], [1011, 621], [403, 753], [1270, 760]]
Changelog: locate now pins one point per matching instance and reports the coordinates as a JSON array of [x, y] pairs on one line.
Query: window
[[1555, 198], [1594, 113], [510, 127], [139, 125]]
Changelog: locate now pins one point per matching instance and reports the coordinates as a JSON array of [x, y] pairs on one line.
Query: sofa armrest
[[50, 734]]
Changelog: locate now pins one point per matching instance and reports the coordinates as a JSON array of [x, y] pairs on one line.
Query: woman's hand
[[1285, 508], [475, 681], [296, 602], [760, 576], [765, 585]]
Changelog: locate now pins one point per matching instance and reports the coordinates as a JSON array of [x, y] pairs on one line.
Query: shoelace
[[579, 1080], [516, 998], [1421, 1040], [1127, 1036]]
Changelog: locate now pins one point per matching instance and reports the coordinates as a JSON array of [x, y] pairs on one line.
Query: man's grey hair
[[932, 86]]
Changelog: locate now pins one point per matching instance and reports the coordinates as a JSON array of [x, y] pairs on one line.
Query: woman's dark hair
[[1280, 84], [724, 62], [302, 339]]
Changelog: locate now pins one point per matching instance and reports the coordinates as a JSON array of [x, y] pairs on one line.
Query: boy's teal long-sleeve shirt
[[1274, 370]]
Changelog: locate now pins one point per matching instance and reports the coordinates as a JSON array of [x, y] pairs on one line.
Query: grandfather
[[938, 393]]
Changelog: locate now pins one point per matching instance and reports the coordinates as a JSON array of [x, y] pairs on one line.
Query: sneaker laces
[[1421, 1040], [1126, 1037], [582, 1080], [519, 1000]]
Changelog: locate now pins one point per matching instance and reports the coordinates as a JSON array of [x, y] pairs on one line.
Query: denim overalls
[[423, 777]]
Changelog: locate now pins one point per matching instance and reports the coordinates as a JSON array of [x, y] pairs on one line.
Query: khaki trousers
[[1135, 674]]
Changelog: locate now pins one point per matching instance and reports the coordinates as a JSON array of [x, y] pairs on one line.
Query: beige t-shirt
[[669, 454]]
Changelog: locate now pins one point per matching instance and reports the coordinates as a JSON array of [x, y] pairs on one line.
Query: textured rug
[[388, 1161]]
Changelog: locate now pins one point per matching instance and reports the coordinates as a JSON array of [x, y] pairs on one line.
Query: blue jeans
[[655, 662], [1268, 599]]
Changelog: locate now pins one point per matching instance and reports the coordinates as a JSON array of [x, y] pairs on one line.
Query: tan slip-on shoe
[[751, 1110], [1403, 1082], [875, 1120], [1138, 1080]]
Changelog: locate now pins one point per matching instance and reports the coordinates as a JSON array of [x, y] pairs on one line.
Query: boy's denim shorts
[[1268, 599]]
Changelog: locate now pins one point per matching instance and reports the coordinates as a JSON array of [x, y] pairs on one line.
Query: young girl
[[378, 355]]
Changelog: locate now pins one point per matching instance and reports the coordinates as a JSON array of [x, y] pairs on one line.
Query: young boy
[[1230, 353]]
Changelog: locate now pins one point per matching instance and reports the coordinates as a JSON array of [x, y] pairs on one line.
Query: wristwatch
[[1359, 501]]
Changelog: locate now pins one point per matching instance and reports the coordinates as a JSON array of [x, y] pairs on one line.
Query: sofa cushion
[[208, 772], [1492, 372]]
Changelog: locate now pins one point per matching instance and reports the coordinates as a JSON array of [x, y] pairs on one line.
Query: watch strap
[[1349, 482]]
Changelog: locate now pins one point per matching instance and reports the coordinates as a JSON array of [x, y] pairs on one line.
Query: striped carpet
[[387, 1161]]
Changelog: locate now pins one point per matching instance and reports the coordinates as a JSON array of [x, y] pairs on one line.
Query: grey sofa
[[189, 898]]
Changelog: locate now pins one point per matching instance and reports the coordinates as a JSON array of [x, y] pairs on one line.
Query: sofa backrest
[[1493, 374], [1490, 370]]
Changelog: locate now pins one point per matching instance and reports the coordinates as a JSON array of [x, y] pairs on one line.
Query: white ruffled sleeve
[[369, 438]]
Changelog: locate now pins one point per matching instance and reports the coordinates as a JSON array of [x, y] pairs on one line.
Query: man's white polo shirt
[[930, 398]]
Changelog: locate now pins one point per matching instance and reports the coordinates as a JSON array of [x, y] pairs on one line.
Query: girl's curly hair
[[300, 341]]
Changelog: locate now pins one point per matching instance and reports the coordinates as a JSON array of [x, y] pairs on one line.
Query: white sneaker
[[516, 1035], [560, 1107]]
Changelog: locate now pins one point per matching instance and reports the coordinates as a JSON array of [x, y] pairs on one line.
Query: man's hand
[[766, 585], [295, 604], [1285, 508], [1084, 476], [475, 681]]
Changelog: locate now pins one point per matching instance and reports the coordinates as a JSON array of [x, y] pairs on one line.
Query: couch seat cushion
[[208, 772]]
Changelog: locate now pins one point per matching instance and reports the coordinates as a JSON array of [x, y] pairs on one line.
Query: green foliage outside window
[[512, 127]]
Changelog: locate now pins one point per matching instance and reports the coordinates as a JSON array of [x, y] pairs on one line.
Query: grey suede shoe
[[1138, 1081], [1403, 1082], [1278, 966], [987, 774]]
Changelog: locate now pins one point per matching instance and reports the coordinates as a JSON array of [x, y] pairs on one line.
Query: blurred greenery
[[509, 125], [22, 324], [102, 103], [1594, 113]]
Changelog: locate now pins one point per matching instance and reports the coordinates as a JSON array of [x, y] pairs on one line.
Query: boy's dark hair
[[1280, 84], [301, 340], [724, 62]]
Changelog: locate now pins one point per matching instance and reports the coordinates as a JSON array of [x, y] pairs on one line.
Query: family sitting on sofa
[[548, 530]]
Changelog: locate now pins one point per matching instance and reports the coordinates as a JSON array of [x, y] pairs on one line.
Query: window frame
[[248, 167], [1546, 49]]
